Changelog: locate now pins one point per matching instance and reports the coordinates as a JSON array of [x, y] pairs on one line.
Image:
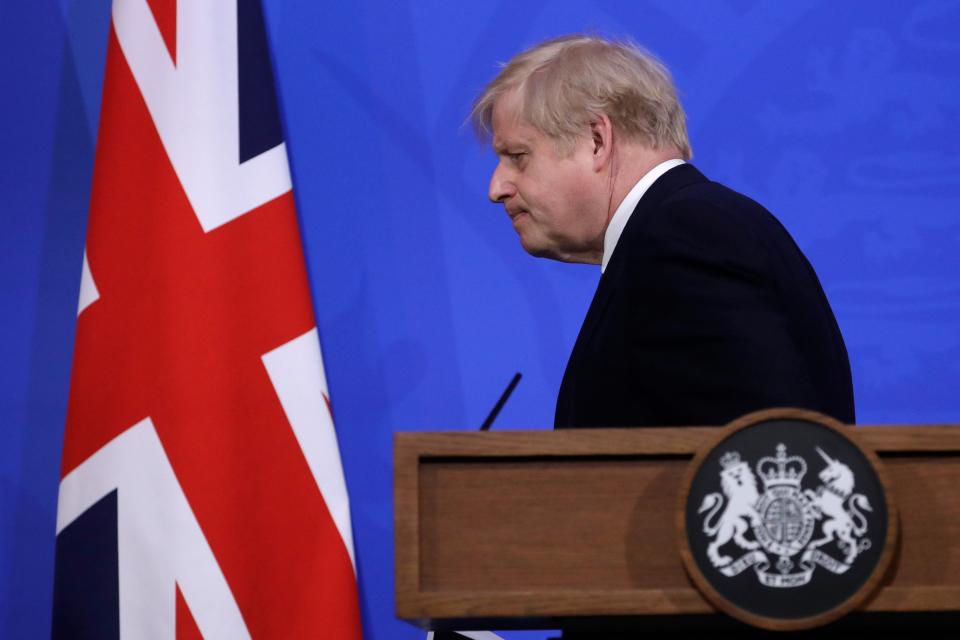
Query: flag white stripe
[[296, 372]]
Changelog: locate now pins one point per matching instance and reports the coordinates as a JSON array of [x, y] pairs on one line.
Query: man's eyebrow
[[502, 148]]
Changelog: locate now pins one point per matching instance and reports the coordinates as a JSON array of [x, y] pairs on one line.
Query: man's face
[[556, 200]]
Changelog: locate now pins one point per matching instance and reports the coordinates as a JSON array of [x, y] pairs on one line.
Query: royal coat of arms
[[786, 531]]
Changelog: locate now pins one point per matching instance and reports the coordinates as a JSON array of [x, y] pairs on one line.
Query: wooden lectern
[[577, 528]]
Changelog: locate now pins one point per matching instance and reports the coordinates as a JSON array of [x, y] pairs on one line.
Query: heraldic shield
[[785, 521]]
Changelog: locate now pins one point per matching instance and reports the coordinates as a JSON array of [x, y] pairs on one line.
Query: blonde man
[[706, 309]]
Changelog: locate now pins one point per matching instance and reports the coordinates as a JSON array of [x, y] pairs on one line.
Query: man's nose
[[501, 188]]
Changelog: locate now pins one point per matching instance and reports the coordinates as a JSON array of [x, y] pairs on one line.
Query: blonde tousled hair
[[566, 82]]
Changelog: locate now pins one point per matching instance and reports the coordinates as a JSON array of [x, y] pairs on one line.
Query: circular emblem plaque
[[785, 520]]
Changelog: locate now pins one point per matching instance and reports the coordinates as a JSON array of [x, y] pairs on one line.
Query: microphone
[[502, 401]]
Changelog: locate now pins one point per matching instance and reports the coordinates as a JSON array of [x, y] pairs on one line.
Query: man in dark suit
[[706, 308]]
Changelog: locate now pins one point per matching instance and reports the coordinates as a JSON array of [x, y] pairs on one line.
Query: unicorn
[[841, 509]]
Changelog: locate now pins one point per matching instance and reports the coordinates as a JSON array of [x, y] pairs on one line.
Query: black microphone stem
[[502, 401]]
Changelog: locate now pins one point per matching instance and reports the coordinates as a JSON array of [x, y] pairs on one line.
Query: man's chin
[[553, 253], [539, 247], [537, 250]]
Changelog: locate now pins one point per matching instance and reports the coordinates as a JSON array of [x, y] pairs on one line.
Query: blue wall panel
[[839, 117]]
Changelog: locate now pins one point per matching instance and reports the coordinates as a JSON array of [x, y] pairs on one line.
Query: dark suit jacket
[[707, 310]]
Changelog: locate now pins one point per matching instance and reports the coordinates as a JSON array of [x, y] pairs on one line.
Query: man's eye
[[516, 157]]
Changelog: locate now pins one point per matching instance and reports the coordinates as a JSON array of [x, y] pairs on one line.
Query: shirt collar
[[629, 203]]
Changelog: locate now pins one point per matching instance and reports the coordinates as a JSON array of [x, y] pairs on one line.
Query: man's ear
[[601, 135]]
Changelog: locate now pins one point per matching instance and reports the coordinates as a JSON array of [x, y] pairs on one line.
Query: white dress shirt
[[625, 210]]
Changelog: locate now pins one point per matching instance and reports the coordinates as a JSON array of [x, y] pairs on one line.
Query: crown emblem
[[781, 470], [729, 459]]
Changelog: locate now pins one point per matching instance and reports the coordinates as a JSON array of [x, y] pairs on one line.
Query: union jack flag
[[201, 490]]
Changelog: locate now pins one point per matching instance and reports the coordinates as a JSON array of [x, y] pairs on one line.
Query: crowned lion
[[740, 489]]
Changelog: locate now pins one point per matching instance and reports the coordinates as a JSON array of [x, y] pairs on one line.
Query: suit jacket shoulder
[[707, 310]]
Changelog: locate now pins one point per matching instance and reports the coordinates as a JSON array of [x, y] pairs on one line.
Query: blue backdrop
[[840, 117]]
